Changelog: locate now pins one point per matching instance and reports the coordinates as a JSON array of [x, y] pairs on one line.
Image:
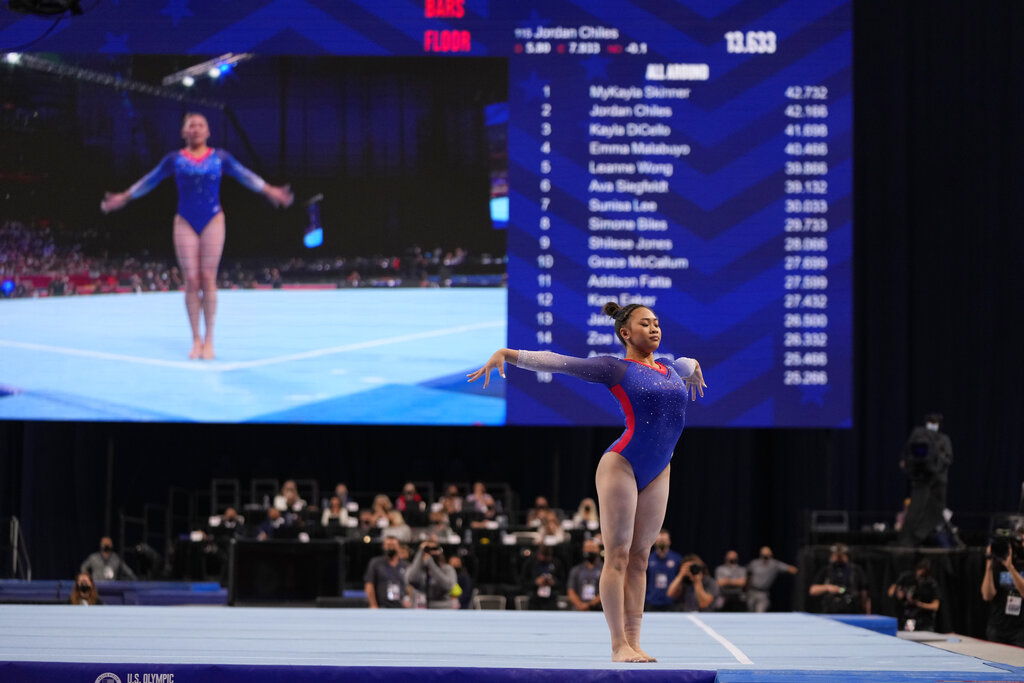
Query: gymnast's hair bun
[[611, 309]]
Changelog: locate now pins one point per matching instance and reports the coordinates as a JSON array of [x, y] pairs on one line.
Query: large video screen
[[405, 187]]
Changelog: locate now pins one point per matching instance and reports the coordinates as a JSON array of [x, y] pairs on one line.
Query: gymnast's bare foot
[[207, 353], [197, 350], [628, 654], [647, 657]]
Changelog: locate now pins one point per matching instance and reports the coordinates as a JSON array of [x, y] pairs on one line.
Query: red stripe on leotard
[[196, 159], [661, 368], [627, 410]]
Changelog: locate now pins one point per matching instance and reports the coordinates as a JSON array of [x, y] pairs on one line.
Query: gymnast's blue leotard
[[653, 402], [198, 181]]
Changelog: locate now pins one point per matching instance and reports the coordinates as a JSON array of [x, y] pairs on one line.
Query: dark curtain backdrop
[[938, 291]]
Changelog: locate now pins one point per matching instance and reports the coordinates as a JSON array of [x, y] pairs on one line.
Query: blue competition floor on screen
[[377, 356]]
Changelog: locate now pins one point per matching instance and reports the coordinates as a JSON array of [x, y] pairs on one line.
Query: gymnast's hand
[[112, 201], [496, 361], [279, 196], [695, 383]]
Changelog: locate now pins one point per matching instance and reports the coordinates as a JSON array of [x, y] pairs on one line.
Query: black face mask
[[84, 588], [766, 557], [840, 565], [390, 552], [662, 547], [591, 557], [106, 548]]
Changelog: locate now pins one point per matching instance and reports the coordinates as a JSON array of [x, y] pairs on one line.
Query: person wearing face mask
[[106, 565], [925, 460], [662, 567], [384, 580], [732, 582], [585, 579], [761, 574], [84, 592], [841, 585]]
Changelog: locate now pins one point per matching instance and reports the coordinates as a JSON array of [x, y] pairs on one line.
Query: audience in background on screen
[[731, 577], [692, 589], [542, 577], [288, 499], [385, 577], [272, 524], [586, 515], [585, 579], [761, 574], [431, 577], [84, 591], [106, 565], [662, 567], [479, 500], [335, 515]]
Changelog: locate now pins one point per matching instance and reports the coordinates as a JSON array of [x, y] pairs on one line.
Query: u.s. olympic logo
[[108, 678]]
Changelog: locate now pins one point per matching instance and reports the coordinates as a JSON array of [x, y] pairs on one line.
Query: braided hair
[[621, 315]]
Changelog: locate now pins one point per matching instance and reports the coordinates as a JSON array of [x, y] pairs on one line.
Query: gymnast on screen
[[199, 223], [633, 474]]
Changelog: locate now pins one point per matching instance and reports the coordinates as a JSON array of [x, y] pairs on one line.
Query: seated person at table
[[106, 565], [335, 515], [288, 499]]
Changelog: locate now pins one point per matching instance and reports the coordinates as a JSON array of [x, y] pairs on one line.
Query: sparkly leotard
[[653, 402], [198, 181]]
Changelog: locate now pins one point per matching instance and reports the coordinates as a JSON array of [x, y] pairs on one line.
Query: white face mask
[[934, 426]]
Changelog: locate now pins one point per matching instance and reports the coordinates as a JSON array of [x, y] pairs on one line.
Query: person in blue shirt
[[199, 222], [662, 567], [633, 474]]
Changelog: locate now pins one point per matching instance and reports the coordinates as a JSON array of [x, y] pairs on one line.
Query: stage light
[[214, 72], [12, 57], [213, 68], [188, 81]]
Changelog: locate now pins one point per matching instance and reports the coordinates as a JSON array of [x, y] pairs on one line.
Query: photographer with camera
[[917, 598], [1002, 586], [432, 576], [841, 585], [542, 578], [692, 589], [925, 460]]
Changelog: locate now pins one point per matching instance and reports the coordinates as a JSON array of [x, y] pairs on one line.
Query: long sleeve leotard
[[198, 180], [653, 402]]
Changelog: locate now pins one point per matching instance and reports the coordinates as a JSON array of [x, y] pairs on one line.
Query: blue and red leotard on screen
[[198, 180]]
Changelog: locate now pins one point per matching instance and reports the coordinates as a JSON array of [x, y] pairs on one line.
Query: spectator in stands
[[661, 569], [335, 515], [288, 499], [586, 515], [585, 579], [432, 576], [479, 500], [106, 565], [341, 491], [692, 589], [412, 506], [761, 574], [228, 525], [1003, 586], [464, 581], [488, 520], [397, 527], [542, 577], [451, 501], [535, 516], [551, 531], [732, 583], [917, 598], [377, 516], [84, 591], [385, 578], [272, 524], [841, 585]]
